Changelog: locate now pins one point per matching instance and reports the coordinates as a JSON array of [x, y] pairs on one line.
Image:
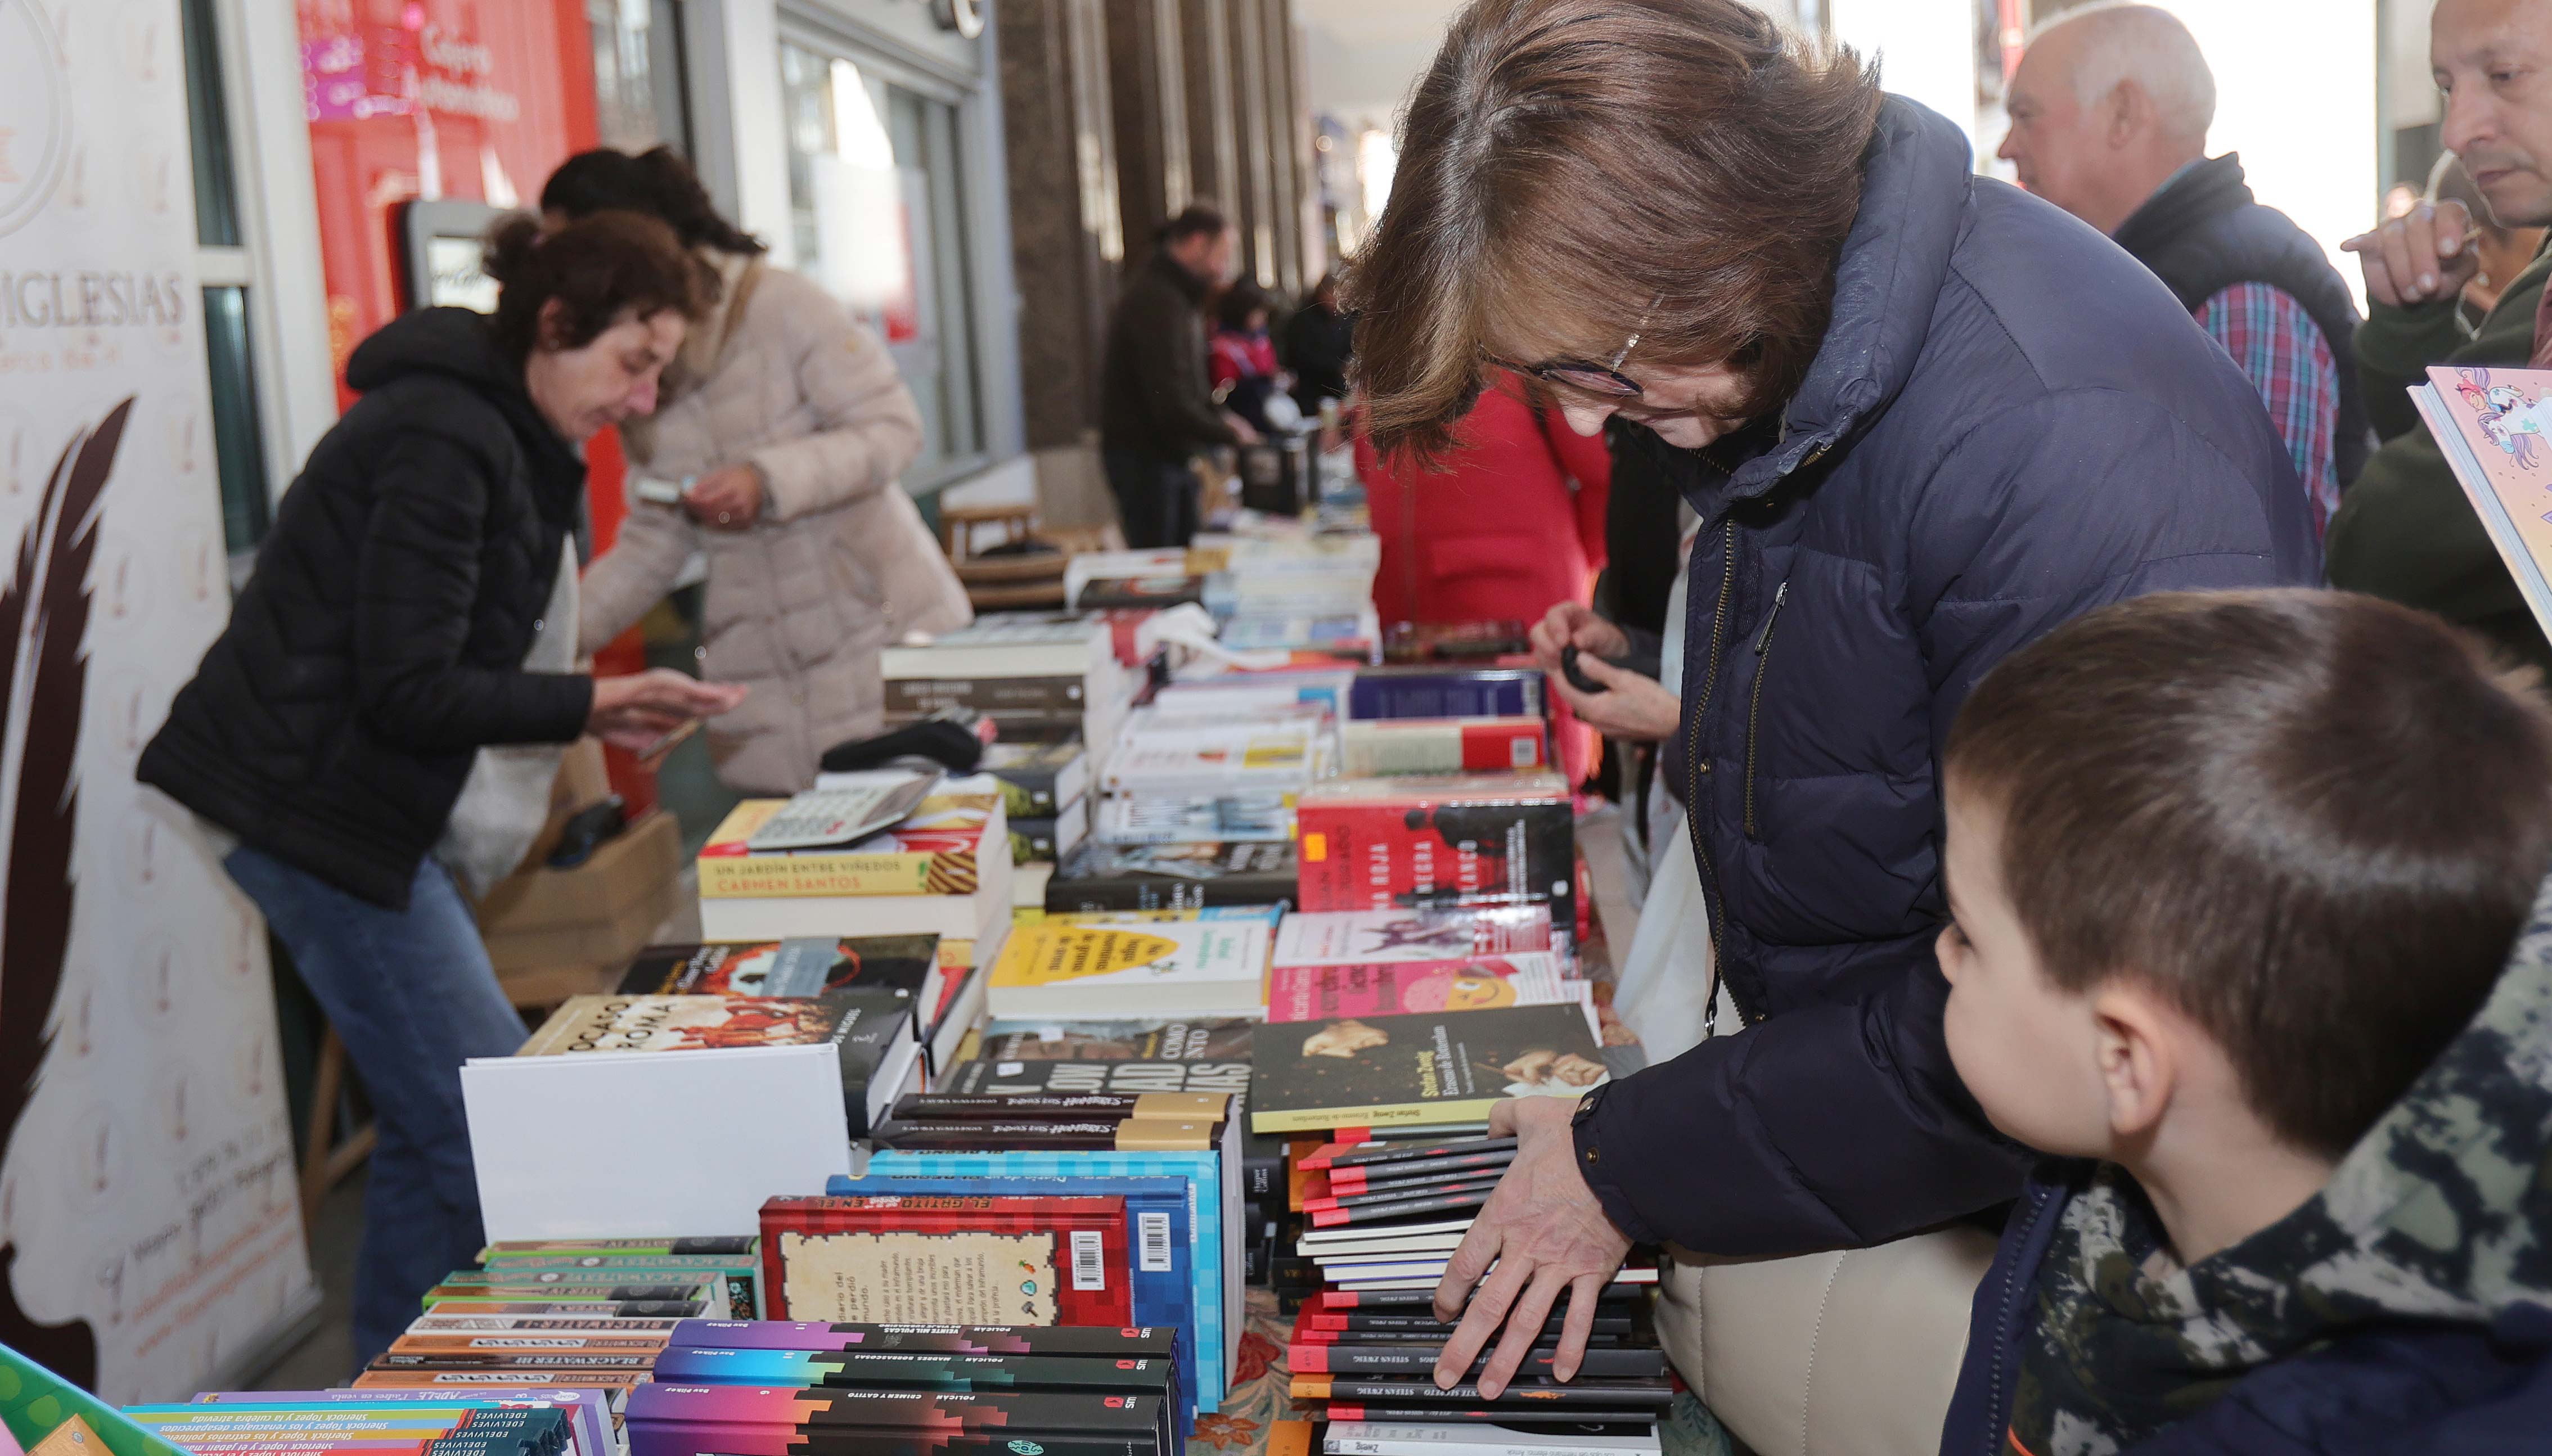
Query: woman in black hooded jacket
[[382, 642]]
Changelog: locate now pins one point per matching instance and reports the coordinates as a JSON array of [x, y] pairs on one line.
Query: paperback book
[[1172, 876], [1171, 968], [1311, 992], [1375, 843], [1417, 1070], [813, 966], [1366, 937], [1442, 746]]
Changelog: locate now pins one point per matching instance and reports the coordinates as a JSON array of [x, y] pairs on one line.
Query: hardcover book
[[2489, 424], [1375, 843], [1048, 839], [1165, 1271], [1417, 1070], [1431, 691], [1172, 876], [1171, 968], [1442, 746], [1308, 992], [1213, 1206], [1209, 1055], [931, 1259]]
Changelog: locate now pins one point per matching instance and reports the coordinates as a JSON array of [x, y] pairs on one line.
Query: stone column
[[1067, 237], [1149, 88]]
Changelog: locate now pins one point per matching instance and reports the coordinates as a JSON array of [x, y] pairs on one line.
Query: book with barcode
[[1442, 746], [1160, 1244], [939, 1259], [1213, 1205]]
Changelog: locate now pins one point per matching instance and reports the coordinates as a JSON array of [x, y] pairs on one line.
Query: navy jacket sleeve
[[412, 612], [1844, 1122]]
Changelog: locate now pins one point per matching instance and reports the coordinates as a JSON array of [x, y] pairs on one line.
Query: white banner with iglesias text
[[149, 1224]]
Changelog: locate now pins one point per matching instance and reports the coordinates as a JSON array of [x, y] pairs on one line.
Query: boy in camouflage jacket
[[2251, 932]]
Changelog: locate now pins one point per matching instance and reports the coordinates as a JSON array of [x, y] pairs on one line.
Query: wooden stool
[[328, 1160]]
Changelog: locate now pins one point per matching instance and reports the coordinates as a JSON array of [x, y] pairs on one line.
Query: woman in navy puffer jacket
[[1935, 417]]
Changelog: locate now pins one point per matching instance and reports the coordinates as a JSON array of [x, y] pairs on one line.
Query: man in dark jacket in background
[[1935, 417], [2109, 114], [2407, 532], [1154, 409]]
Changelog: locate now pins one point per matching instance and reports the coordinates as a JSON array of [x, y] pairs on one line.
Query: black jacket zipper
[[1695, 765], [1755, 700]]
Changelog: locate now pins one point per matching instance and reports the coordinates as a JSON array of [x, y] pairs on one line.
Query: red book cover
[[1485, 839], [932, 1259]]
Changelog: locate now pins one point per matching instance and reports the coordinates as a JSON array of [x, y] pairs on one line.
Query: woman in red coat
[[1506, 527]]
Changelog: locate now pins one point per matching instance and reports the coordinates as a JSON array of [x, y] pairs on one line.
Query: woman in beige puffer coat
[[787, 420]]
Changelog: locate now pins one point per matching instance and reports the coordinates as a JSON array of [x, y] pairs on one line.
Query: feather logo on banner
[[43, 625]]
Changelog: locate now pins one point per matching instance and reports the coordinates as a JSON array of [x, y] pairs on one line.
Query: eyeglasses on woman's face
[[1606, 380]]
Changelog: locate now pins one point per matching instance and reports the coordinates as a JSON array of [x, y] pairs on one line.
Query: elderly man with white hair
[[2109, 114]]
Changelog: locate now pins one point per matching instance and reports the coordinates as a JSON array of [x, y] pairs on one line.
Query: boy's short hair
[[2314, 819]]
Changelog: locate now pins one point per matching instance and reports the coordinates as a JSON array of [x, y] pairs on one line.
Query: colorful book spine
[[1026, 1260]]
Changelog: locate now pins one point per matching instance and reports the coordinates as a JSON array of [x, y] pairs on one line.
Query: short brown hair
[[1572, 171], [2315, 820], [1194, 219], [598, 269]]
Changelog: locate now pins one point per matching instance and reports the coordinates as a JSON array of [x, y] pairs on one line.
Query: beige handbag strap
[[738, 300]]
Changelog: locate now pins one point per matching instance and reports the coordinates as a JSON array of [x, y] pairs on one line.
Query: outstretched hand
[[1545, 1232]]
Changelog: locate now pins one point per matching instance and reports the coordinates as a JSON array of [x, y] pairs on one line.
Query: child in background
[[1242, 362], [2234, 878]]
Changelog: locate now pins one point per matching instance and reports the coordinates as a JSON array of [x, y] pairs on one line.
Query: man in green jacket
[[2404, 530]]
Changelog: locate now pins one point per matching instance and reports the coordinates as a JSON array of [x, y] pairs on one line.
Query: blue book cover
[[1159, 1243], [1214, 1222], [1447, 692]]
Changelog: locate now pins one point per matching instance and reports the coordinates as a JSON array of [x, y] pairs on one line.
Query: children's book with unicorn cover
[[2494, 427]]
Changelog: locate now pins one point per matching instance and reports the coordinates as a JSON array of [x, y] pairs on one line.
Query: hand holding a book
[[1546, 1234], [2425, 255], [635, 710]]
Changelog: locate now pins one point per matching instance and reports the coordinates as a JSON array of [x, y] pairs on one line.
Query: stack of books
[[1383, 1218], [776, 1387], [567, 1312], [1038, 676], [1045, 794], [511, 1417], [946, 870], [673, 1070], [1228, 772]]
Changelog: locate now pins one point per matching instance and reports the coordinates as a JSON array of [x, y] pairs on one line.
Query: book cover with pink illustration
[[1476, 982], [1421, 934], [2494, 427]]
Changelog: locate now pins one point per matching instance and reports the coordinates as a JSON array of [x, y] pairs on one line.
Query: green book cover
[[35, 1403]]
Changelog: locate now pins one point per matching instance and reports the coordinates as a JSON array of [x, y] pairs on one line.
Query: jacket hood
[[2443, 1210], [455, 344], [1916, 178], [2439, 1217]]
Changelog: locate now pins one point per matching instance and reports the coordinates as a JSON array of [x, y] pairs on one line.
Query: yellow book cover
[[932, 853], [1162, 967]]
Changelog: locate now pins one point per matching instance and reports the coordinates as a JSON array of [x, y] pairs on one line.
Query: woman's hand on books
[[636, 710], [1546, 1234]]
